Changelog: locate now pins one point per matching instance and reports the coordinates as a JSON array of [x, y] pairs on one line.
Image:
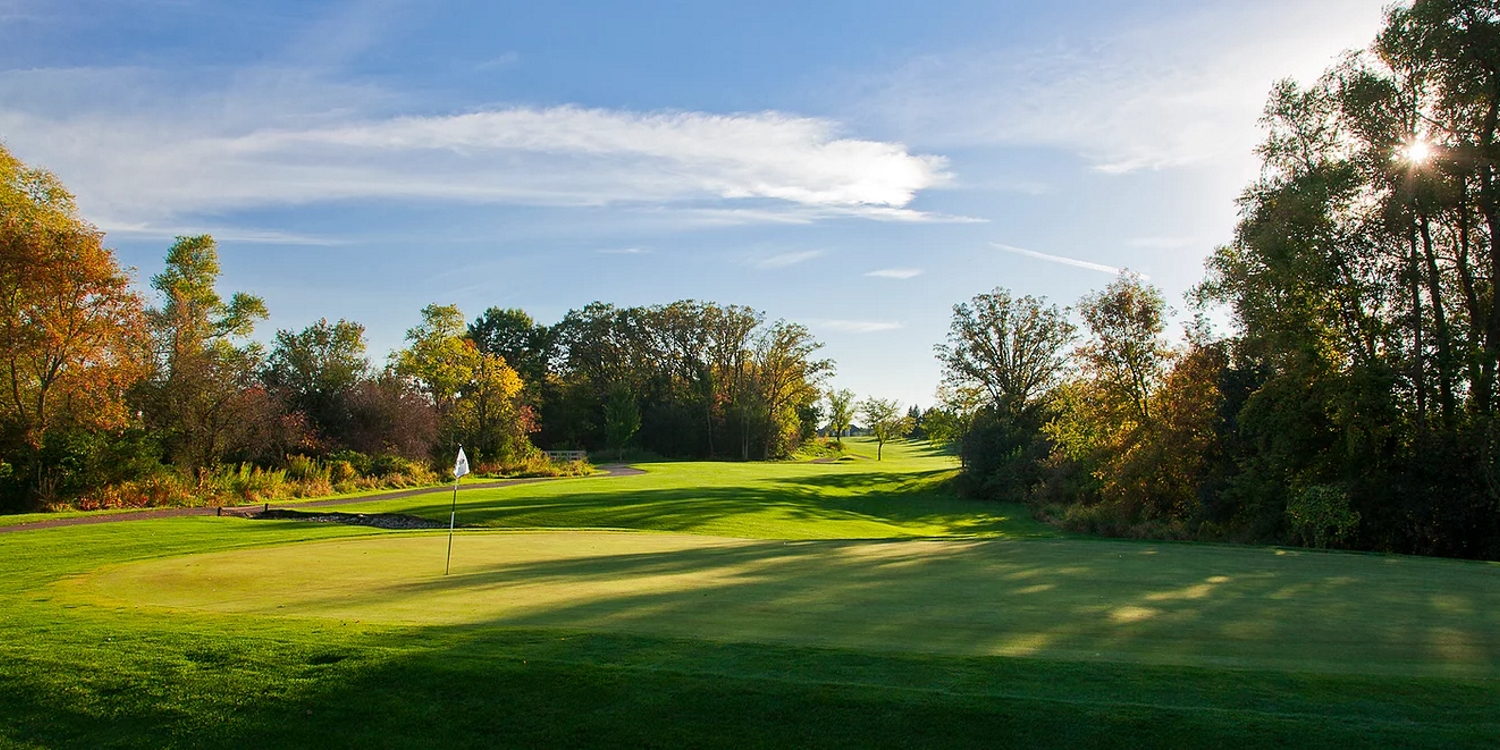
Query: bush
[[534, 465], [1320, 516]]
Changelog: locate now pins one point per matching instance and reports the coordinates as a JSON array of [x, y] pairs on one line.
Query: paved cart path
[[614, 470]]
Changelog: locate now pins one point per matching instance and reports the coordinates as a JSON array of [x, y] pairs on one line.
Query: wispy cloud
[[1076, 263], [163, 160], [500, 62], [857, 326], [782, 260], [896, 273], [1182, 89], [625, 251], [221, 233]]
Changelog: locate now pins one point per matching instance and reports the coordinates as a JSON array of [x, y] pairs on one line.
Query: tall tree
[[203, 398], [72, 333], [477, 395], [622, 418], [511, 333], [787, 377], [1013, 349], [314, 372], [1127, 354]]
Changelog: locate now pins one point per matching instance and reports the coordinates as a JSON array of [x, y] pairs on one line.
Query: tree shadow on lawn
[[820, 643], [1188, 604], [486, 687], [903, 502]]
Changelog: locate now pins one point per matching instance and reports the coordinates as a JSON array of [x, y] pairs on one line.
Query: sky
[[857, 167]]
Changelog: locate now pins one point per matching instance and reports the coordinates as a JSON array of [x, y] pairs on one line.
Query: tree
[[885, 421], [387, 416], [840, 413], [477, 395], [1012, 349], [204, 389], [1127, 355], [314, 371], [787, 378], [511, 333], [622, 417], [72, 333]]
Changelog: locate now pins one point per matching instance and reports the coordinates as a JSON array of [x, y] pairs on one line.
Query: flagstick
[[460, 468], [452, 518]]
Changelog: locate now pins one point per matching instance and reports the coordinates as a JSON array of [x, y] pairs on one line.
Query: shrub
[[1320, 516]]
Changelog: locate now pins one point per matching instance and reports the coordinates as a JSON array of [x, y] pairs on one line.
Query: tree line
[[1355, 402], [108, 397]]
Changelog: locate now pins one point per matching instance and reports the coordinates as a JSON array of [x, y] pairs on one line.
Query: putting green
[[1155, 603]]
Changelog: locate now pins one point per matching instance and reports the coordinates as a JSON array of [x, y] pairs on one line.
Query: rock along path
[[614, 470]]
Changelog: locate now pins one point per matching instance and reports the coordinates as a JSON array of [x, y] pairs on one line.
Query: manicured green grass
[[1162, 604], [904, 495], [168, 633]]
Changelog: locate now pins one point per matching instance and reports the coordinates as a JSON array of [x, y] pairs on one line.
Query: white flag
[[461, 466]]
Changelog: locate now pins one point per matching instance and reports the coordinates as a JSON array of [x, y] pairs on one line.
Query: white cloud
[[783, 260], [220, 233], [896, 273], [856, 326], [625, 251], [1076, 263], [143, 157], [1184, 90]]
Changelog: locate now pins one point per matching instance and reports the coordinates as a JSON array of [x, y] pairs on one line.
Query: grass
[[902, 496], [215, 632]]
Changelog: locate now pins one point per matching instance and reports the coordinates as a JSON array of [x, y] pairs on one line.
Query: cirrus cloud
[[140, 164]]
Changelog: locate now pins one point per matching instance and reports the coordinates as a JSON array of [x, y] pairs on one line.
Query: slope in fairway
[[904, 495], [1168, 604]]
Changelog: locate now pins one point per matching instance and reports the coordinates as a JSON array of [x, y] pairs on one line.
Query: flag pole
[[460, 468], [452, 516]]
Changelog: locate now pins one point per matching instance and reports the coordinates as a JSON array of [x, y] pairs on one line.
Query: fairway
[[1065, 599], [851, 604]]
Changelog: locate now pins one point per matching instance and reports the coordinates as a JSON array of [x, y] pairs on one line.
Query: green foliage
[[622, 418], [1011, 349], [202, 398], [477, 395], [709, 380], [314, 372], [885, 421], [840, 413], [1320, 517]]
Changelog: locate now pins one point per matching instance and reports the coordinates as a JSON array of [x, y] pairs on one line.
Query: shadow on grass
[[529, 678], [905, 503], [468, 687]]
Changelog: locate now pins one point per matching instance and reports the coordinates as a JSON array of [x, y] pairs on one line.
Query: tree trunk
[[1440, 327]]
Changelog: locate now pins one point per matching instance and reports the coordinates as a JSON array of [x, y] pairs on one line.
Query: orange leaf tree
[[72, 331]]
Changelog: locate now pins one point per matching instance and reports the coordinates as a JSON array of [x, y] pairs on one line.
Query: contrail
[[1060, 259]]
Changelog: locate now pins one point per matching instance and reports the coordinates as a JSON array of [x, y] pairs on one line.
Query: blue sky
[[856, 167]]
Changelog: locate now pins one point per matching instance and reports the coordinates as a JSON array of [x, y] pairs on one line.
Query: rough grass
[[634, 660]]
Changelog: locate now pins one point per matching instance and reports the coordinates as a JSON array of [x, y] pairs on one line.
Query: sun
[[1417, 152]]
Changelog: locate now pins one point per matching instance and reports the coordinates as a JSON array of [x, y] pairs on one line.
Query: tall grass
[[237, 484]]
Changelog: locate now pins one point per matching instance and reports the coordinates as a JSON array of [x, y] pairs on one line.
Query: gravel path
[[615, 470]]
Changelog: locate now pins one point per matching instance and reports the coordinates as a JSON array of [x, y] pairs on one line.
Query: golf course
[[847, 603]]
